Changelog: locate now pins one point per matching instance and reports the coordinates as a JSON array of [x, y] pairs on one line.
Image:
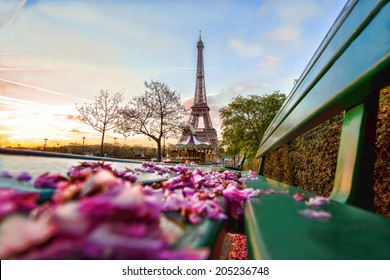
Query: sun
[[29, 126]]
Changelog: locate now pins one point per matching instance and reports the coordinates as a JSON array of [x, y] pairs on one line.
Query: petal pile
[[97, 212]]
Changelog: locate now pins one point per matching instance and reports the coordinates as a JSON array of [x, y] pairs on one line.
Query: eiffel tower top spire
[[200, 110], [200, 88]]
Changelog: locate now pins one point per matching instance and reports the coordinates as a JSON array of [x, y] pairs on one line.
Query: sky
[[55, 53]]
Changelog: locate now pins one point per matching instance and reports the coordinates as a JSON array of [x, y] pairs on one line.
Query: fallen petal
[[317, 201], [24, 176], [6, 175], [300, 196], [315, 214]]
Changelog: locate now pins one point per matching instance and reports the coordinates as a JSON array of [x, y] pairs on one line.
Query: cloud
[[284, 33], [71, 118], [75, 131], [291, 12], [271, 64], [8, 11], [26, 69], [104, 34], [245, 49], [224, 96], [256, 50], [84, 14], [78, 48], [299, 12], [182, 68], [188, 102], [217, 100], [278, 42], [57, 81], [284, 25], [21, 104], [77, 42], [289, 22]]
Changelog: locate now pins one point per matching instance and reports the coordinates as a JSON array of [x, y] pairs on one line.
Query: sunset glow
[[54, 54]]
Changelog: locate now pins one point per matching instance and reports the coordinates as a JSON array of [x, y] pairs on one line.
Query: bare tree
[[101, 115], [157, 114]]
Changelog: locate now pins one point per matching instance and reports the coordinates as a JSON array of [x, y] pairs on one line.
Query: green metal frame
[[349, 68], [355, 164], [344, 76]]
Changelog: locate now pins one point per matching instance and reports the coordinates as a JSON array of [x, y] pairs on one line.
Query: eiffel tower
[[200, 109]]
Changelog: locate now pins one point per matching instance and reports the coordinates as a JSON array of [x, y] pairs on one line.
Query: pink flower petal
[[300, 196], [24, 176], [99, 182], [19, 233], [317, 201], [315, 214], [48, 181]]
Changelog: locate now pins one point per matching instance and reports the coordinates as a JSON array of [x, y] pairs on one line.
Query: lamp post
[[44, 145], [114, 146], [83, 144], [163, 152]]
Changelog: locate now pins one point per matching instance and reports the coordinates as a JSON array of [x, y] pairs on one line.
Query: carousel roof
[[193, 142]]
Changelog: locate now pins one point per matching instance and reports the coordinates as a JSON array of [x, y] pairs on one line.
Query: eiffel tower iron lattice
[[200, 109]]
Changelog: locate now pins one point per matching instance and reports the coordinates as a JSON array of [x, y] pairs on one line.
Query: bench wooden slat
[[276, 230], [335, 83]]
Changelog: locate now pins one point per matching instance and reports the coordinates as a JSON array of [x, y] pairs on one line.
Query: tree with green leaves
[[101, 115], [157, 114], [245, 120]]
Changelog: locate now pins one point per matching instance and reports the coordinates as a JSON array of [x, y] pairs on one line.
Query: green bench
[[344, 77]]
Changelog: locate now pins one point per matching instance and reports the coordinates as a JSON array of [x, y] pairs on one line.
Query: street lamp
[[114, 145], [83, 143], [163, 151], [44, 145], [115, 140]]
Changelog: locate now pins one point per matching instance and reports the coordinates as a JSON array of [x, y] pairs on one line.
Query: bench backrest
[[345, 75]]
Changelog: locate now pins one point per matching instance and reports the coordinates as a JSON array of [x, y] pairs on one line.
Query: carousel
[[194, 150]]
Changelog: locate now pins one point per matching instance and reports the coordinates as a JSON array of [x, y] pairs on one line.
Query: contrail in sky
[[8, 11], [20, 106], [18, 103], [27, 69], [44, 90]]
